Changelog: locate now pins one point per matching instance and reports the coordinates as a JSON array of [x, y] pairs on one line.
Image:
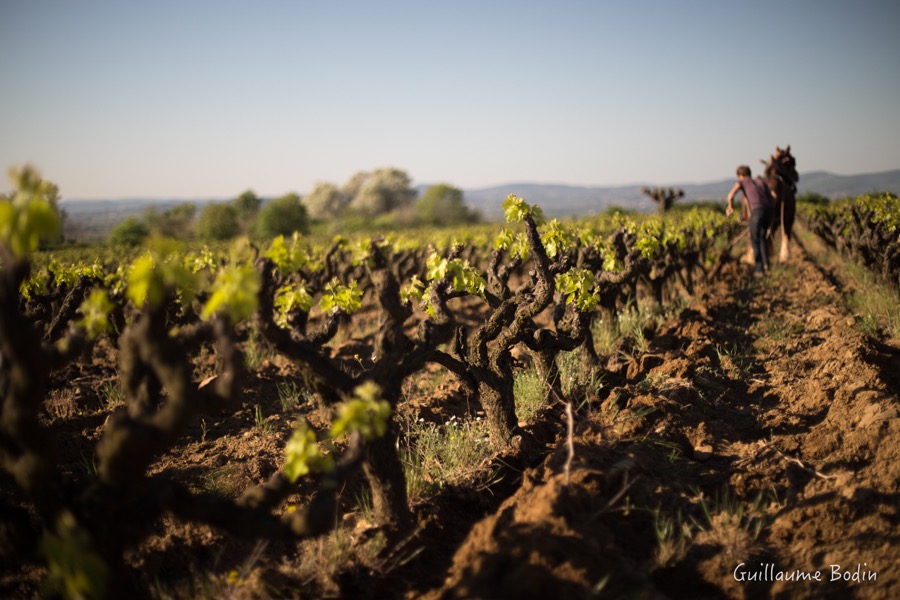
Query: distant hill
[[89, 220], [564, 200]]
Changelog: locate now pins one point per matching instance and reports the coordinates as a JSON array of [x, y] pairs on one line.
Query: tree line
[[384, 197]]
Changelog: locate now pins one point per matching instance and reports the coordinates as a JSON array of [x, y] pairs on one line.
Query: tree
[[442, 204], [325, 201], [283, 216], [218, 222], [130, 232], [175, 222], [664, 197], [247, 206], [381, 191]]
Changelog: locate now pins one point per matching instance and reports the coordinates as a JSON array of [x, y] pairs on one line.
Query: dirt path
[[756, 445]]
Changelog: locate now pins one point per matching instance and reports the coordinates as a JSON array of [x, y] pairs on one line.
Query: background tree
[[325, 201], [282, 216], [381, 191], [176, 222], [442, 204], [218, 222], [247, 206], [130, 232], [664, 197]]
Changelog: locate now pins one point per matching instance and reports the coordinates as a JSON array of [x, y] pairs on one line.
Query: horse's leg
[[774, 220], [788, 209]]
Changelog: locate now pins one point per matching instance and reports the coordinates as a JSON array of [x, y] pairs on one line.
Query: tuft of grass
[[61, 403], [576, 383], [733, 524], [630, 322], [530, 393], [261, 424], [440, 455], [257, 352], [291, 395], [653, 383], [673, 534], [734, 363], [323, 557], [89, 464], [222, 481], [112, 395]]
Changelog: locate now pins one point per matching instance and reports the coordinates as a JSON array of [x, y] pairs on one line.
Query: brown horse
[[781, 177]]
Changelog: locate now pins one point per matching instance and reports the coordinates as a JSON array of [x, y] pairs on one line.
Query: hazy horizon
[[204, 100]]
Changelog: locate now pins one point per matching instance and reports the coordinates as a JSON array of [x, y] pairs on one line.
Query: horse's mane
[[782, 166]]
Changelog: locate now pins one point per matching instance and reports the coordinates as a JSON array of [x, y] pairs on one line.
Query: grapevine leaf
[[303, 455], [366, 412]]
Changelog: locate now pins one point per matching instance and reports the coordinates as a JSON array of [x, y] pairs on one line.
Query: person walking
[[756, 203]]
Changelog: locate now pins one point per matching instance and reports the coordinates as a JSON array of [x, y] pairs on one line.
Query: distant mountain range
[[92, 219], [565, 200]]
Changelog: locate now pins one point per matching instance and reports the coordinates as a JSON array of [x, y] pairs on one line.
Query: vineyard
[[609, 407]]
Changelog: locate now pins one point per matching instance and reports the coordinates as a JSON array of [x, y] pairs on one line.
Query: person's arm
[[734, 190]]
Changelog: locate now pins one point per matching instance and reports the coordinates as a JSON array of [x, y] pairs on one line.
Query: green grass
[[530, 393], [257, 352], [439, 455], [291, 395], [112, 395], [875, 306], [260, 419]]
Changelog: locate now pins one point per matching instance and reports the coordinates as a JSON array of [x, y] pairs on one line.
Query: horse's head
[[783, 166]]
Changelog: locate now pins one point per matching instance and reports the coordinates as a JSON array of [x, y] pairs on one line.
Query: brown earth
[[760, 429]]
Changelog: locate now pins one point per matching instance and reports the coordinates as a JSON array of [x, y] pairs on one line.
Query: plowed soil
[[752, 451]]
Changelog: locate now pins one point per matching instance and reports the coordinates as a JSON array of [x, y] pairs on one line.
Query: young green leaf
[[234, 293], [95, 310], [366, 412], [339, 296], [303, 455]]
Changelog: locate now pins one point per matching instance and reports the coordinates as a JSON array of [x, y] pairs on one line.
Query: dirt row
[[753, 452]]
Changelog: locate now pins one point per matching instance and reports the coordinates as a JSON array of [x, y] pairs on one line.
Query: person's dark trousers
[[759, 223]]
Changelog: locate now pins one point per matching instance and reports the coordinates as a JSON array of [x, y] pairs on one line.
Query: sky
[[205, 99]]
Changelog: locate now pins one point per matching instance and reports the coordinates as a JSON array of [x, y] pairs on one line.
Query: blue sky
[[200, 99]]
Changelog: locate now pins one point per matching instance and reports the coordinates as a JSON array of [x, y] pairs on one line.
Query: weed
[[257, 351], [325, 556], [575, 382], [530, 393], [61, 403], [672, 536], [363, 500], [222, 481], [653, 383], [735, 364], [290, 394], [112, 395], [675, 452], [731, 523], [439, 455], [261, 424], [89, 464]]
